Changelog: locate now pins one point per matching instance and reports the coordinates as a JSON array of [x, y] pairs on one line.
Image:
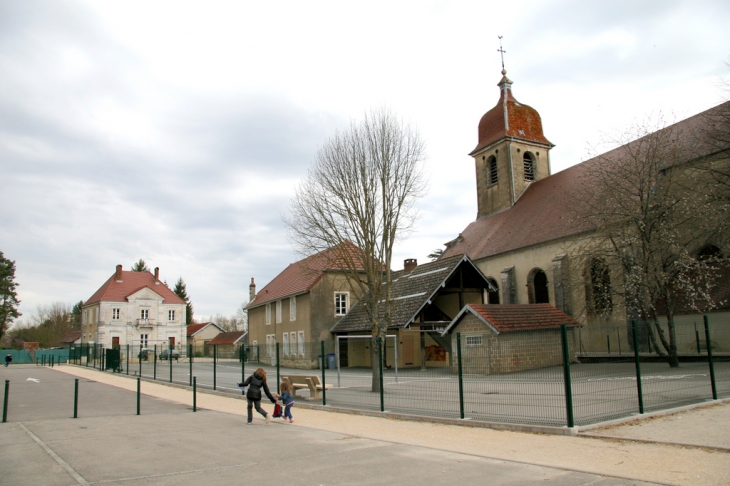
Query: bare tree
[[236, 322], [357, 201], [646, 213]]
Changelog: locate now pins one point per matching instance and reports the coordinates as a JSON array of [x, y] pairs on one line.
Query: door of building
[[115, 342]]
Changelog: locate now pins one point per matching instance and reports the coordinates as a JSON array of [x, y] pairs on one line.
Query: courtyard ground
[[168, 444]]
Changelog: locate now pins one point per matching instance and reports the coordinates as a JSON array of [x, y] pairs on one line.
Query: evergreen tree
[[8, 296], [182, 292], [140, 266], [76, 314]]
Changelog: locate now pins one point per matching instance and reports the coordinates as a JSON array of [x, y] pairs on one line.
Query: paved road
[[168, 444]]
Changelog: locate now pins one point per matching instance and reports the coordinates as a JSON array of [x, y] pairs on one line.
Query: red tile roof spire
[[510, 118]]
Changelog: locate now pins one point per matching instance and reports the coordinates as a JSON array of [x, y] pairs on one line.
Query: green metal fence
[[557, 377]]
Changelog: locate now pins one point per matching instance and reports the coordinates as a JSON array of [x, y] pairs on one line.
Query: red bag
[[277, 411]]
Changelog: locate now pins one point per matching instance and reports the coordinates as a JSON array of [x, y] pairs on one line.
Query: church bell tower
[[512, 152]]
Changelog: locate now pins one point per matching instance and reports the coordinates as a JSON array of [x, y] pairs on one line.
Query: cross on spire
[[501, 53]]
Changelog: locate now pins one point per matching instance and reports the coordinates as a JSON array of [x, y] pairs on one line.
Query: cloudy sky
[[177, 131]]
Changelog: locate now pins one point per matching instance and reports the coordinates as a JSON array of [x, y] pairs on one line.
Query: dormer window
[[529, 163]]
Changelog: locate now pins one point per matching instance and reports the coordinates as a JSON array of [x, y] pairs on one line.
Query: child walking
[[287, 400], [257, 381]]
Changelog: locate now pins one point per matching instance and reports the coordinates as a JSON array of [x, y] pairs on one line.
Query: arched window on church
[[529, 162], [493, 295], [537, 287], [598, 292], [492, 175], [709, 253]]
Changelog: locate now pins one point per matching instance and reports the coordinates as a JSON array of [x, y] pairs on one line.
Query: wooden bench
[[311, 382]]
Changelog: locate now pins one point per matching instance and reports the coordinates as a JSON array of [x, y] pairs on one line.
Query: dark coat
[[254, 383], [8, 358]]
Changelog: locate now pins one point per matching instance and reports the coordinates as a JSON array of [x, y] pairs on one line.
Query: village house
[[298, 308], [133, 308], [200, 333]]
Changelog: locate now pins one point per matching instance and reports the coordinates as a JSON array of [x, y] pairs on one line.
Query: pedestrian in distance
[[287, 400], [8, 359], [255, 383]]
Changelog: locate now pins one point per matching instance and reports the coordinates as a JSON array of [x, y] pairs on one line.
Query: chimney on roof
[[157, 275], [251, 291], [409, 264], [118, 274]]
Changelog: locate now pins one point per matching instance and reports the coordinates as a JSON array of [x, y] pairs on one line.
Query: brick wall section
[[506, 352]]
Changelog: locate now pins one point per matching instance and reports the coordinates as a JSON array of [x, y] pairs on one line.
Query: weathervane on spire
[[501, 53]]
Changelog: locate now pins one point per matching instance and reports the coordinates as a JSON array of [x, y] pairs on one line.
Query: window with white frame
[[300, 342], [285, 342], [144, 314], [341, 299], [292, 308], [270, 345], [115, 313], [473, 340], [268, 313], [171, 315], [278, 311], [86, 317], [293, 343]]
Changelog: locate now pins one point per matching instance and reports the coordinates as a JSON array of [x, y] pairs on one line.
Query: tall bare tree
[[647, 213], [357, 201]]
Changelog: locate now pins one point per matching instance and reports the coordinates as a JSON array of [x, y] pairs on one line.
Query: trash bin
[[331, 361]]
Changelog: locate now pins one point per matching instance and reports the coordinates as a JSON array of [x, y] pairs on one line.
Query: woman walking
[[254, 383]]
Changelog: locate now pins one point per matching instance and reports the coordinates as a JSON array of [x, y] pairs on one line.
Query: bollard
[[461, 376], [195, 391], [138, 393], [5, 401], [76, 398]]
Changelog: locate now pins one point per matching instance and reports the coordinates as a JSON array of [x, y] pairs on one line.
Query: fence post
[[139, 391], [5, 401], [243, 365], [76, 398], [461, 375], [380, 367], [53, 360], [154, 367], [127, 359], [324, 388], [637, 362], [277, 368], [169, 358], [190, 360], [215, 360], [709, 358], [195, 391], [566, 376], [139, 358]]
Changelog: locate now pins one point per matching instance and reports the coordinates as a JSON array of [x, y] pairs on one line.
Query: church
[[522, 237]]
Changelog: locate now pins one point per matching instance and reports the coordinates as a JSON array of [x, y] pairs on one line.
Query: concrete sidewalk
[[404, 451]]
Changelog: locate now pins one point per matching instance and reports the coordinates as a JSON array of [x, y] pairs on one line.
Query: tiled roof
[[541, 214], [410, 293], [301, 276], [516, 317], [228, 337], [196, 328], [71, 337], [113, 291], [510, 118]]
